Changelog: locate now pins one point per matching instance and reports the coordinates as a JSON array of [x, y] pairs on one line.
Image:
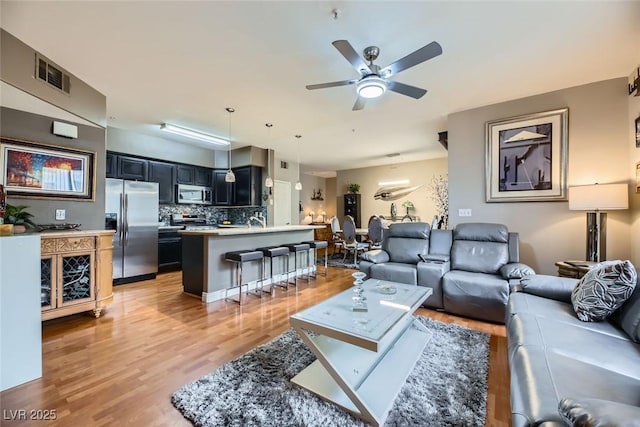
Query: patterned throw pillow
[[603, 289]]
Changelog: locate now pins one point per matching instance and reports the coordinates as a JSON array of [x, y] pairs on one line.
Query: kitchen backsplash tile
[[215, 215]]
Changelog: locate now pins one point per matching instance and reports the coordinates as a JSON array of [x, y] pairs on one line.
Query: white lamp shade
[[230, 176], [268, 182], [602, 197], [298, 186]]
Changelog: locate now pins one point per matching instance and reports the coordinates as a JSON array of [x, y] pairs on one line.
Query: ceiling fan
[[375, 81]]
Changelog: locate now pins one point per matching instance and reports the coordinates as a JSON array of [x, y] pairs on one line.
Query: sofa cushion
[[523, 306], [597, 412], [477, 295], [603, 289], [628, 316], [541, 376], [395, 272], [479, 257], [481, 232], [413, 230]]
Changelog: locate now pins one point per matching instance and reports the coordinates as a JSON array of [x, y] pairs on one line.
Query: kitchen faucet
[[262, 221]]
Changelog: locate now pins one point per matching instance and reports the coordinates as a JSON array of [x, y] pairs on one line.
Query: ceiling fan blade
[[425, 53], [360, 103], [412, 91], [345, 48], [331, 84]]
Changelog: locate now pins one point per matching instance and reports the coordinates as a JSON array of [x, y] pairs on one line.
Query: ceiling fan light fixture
[[371, 87]]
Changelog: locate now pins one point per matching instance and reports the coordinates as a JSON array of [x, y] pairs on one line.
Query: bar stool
[[315, 245], [239, 258], [296, 248], [272, 252]]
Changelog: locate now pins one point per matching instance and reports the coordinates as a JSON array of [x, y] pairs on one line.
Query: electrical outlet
[[61, 214], [464, 212]]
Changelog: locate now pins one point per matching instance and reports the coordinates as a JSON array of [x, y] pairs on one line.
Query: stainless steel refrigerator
[[131, 208]]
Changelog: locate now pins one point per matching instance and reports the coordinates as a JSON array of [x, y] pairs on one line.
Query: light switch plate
[[464, 212], [61, 214]]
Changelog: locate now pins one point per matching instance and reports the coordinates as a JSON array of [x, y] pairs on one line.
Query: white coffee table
[[364, 358]]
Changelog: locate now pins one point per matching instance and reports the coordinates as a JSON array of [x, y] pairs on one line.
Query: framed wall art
[[637, 133], [526, 157], [32, 169]]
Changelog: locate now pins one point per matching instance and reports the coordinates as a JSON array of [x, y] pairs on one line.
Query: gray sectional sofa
[[470, 268], [568, 372]]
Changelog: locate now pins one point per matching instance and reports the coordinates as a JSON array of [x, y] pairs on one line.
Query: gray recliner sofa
[[469, 268], [564, 369]]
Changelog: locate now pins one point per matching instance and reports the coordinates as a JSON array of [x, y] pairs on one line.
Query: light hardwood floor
[[121, 369]]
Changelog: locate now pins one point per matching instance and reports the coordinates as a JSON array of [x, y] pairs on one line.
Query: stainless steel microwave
[[194, 194]]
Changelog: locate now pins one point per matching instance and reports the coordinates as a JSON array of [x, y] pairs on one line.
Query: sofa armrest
[[376, 256], [553, 287], [597, 412], [516, 270], [435, 258]]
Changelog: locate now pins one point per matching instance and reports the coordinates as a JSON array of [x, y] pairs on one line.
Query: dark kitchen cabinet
[[112, 165], [353, 206], [222, 190], [203, 176], [185, 174], [164, 175], [131, 168], [248, 186]]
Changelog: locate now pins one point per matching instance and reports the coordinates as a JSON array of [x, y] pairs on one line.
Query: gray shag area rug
[[448, 386]]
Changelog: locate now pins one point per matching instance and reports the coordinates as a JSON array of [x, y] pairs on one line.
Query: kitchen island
[[206, 274]]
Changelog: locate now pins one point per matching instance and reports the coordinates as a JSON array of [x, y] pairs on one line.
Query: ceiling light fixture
[[230, 176], [268, 182], [371, 86], [193, 134], [298, 185]]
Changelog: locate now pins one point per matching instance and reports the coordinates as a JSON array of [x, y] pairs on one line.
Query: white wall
[[598, 147], [419, 173]]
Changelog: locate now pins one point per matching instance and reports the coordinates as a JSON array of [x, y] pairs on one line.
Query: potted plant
[[354, 188], [19, 217]]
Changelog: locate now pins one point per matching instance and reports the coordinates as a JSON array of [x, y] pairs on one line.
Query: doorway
[[281, 202]]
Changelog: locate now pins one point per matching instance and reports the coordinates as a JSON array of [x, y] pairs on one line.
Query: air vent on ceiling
[[52, 75], [284, 165]]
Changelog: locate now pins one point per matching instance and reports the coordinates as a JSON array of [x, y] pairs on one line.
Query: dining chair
[[336, 235], [351, 244], [375, 233]]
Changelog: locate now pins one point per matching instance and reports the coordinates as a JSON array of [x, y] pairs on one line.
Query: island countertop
[[205, 271], [249, 230]]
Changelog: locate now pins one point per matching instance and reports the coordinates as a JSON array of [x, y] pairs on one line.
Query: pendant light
[[268, 182], [298, 185], [230, 176]]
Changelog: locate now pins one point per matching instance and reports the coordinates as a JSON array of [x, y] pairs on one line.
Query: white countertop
[[247, 230]]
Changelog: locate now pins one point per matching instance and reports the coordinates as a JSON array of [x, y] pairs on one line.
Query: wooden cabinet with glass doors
[[75, 272]]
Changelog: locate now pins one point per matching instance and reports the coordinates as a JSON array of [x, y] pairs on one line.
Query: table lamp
[[594, 199]]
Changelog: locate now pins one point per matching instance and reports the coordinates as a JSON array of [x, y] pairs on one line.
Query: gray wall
[[17, 68], [37, 128], [598, 152]]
